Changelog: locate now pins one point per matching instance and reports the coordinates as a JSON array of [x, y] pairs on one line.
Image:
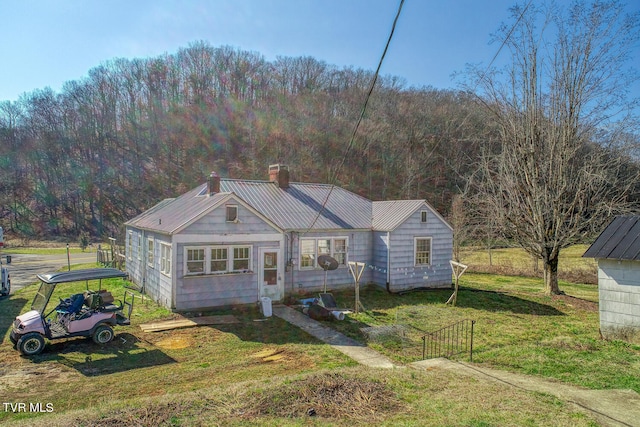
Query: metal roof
[[171, 214], [299, 207], [619, 240], [387, 215], [303, 206]]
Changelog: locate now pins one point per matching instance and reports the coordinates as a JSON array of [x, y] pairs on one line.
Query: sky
[[48, 42]]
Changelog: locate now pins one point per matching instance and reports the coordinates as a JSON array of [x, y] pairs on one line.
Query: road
[[24, 267]]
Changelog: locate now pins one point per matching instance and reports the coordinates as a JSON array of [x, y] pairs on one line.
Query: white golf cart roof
[[81, 275]]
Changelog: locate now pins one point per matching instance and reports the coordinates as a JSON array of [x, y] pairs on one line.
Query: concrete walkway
[[609, 407], [352, 348]]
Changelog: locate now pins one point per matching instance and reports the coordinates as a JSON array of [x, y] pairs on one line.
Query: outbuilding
[[617, 252]]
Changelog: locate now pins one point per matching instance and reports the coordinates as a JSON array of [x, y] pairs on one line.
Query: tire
[[103, 334], [30, 344]]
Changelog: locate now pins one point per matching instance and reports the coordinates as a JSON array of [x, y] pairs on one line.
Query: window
[[241, 259], [139, 246], [150, 253], [165, 258], [232, 213], [340, 251], [423, 217], [217, 259], [195, 261], [311, 249], [130, 245], [307, 253], [422, 251]]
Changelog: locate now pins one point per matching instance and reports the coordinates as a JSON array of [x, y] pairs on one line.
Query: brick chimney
[[280, 174], [213, 184]]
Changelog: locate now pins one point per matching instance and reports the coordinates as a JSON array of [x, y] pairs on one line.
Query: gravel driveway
[[24, 267]]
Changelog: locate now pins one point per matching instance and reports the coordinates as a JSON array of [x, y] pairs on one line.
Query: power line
[[334, 178]]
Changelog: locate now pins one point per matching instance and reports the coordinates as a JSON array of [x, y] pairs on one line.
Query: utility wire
[[334, 178]]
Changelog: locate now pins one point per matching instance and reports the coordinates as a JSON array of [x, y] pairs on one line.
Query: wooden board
[[189, 322]]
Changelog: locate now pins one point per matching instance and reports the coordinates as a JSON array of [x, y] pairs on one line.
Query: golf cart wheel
[[103, 334], [31, 344]]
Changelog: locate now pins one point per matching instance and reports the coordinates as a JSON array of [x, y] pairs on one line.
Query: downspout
[[389, 262]]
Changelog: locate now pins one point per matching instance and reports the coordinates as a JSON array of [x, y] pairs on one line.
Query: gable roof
[[300, 207], [388, 215], [303, 206], [619, 240]]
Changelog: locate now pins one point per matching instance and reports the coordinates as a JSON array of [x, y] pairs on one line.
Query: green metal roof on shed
[[619, 240]]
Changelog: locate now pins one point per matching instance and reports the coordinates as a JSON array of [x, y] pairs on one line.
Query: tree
[[558, 173]]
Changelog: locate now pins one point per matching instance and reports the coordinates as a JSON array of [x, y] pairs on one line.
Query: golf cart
[[90, 314]]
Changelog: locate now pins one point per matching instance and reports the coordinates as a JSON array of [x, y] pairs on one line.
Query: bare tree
[[557, 175]]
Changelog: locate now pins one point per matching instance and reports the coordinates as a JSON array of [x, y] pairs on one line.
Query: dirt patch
[[175, 342], [327, 395], [14, 375]]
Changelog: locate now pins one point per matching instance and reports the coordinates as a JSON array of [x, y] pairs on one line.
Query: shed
[[617, 252]]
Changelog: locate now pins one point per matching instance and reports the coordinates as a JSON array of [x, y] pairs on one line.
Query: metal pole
[[68, 258], [471, 351]]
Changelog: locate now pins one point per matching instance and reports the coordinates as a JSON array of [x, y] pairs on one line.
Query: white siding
[[404, 274], [299, 281], [619, 294]]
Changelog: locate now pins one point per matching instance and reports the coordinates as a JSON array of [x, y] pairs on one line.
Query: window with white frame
[[195, 261], [150, 254], [311, 249], [422, 251], [139, 246], [232, 213], [130, 245], [217, 259], [165, 258], [423, 217]]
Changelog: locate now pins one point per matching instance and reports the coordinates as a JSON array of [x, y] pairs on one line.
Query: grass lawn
[[266, 372], [518, 328]]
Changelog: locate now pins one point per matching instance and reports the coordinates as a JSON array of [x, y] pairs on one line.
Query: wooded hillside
[[137, 131]]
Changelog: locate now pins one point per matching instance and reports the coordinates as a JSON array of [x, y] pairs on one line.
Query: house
[[233, 241], [617, 251]]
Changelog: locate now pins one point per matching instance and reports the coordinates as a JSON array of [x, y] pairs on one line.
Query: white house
[[617, 251], [232, 241]]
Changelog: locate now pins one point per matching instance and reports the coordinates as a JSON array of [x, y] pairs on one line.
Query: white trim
[[130, 246], [226, 213], [415, 250], [151, 251], [207, 259], [225, 238], [163, 259], [315, 250]]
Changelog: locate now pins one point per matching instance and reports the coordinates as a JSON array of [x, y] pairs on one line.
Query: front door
[[270, 277]]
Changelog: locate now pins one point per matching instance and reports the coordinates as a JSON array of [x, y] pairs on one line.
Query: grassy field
[[266, 372], [516, 262]]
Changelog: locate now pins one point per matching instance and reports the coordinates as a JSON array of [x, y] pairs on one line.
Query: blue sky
[[47, 42]]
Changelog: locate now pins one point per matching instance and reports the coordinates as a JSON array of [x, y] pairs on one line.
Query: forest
[[539, 159], [134, 132]]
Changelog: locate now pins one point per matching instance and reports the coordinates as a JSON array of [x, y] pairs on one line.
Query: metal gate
[[449, 341]]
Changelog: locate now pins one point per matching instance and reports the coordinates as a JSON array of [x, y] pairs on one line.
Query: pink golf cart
[[89, 314]]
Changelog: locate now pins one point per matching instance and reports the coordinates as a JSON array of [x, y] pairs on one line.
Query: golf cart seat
[[109, 308], [71, 305]]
